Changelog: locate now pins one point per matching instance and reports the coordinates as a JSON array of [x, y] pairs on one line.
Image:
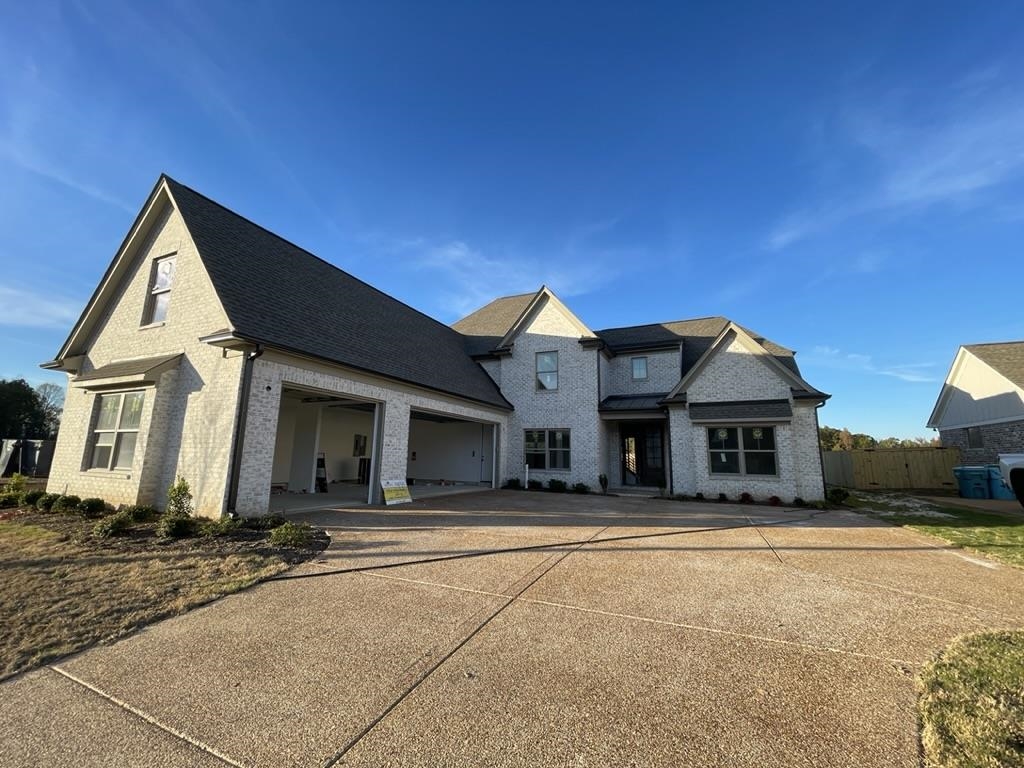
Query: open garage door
[[323, 453], [447, 454]]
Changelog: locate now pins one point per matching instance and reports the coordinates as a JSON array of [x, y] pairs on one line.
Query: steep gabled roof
[[1006, 358], [283, 296], [695, 336]]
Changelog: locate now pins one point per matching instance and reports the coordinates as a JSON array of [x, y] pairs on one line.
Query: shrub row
[[556, 486]]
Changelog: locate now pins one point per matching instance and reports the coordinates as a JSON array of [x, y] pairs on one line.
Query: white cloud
[[835, 359], [26, 309]]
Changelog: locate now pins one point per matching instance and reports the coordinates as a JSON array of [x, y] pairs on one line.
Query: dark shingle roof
[[696, 336], [632, 402], [279, 294], [740, 410], [1006, 358], [139, 367], [484, 329]]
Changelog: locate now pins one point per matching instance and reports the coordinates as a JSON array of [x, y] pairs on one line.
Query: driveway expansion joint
[[147, 717]]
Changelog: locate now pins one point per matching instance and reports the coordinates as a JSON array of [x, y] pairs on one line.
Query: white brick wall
[[662, 374], [188, 418], [734, 373], [274, 372]]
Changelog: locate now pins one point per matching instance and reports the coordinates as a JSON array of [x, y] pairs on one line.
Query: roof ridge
[[304, 250], [992, 343], [666, 322]]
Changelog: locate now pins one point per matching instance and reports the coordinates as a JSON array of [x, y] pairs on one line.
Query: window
[[547, 448], [974, 438], [742, 450], [117, 427], [160, 290], [547, 370], [639, 368]]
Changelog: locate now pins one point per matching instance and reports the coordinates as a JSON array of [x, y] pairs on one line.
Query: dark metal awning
[[741, 410], [625, 403]]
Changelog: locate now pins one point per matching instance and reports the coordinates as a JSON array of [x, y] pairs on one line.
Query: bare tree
[[51, 400]]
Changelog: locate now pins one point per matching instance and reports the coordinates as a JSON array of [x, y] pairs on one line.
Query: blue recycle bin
[[972, 482], [996, 488]]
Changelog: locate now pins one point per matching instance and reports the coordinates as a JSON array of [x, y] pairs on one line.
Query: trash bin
[[972, 482], [996, 488]]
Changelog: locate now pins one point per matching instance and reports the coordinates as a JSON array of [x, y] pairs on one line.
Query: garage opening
[[323, 454], [448, 455]]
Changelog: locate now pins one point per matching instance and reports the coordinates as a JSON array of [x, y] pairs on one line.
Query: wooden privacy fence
[[896, 468]]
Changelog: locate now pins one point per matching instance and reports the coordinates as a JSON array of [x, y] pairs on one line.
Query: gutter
[[238, 440]]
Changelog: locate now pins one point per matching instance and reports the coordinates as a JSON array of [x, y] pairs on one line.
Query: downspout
[[238, 440], [668, 453], [821, 459]]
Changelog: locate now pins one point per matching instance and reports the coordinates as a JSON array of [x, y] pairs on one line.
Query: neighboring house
[[215, 350], [980, 409]]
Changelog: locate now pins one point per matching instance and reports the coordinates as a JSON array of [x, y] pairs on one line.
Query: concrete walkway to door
[[530, 629]]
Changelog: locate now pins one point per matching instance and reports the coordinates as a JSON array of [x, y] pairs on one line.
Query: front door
[[643, 459]]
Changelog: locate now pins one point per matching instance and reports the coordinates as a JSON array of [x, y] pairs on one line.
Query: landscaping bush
[[799, 502], [220, 527], [535, 485], [581, 488], [746, 498], [558, 486], [92, 507], [16, 483], [141, 513], [292, 535], [775, 501], [117, 524], [9, 499], [698, 496], [264, 522], [66, 504], [29, 498], [176, 526], [513, 484], [46, 501], [722, 497], [179, 499], [838, 495]]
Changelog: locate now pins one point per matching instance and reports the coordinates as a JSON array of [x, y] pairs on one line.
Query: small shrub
[[66, 505], [9, 499], [29, 498], [698, 496], [535, 485], [838, 495], [558, 486], [117, 524], [220, 527], [513, 484], [291, 535], [141, 513], [16, 483], [581, 488], [46, 501], [264, 522], [176, 526], [92, 507], [746, 498], [722, 497], [799, 502], [179, 499], [819, 504], [775, 501]]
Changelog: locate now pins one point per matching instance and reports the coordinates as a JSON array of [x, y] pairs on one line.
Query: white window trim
[[117, 431], [632, 368], [537, 372], [741, 450], [548, 449], [154, 291]]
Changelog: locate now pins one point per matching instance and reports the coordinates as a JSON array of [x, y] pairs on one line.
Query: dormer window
[[160, 290], [639, 368], [547, 370]]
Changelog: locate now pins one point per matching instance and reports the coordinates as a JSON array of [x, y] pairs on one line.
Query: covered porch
[[636, 451]]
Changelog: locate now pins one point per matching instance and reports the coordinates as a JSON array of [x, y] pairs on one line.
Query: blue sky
[[848, 180]]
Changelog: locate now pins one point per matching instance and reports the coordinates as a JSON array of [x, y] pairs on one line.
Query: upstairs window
[[547, 370], [160, 290], [639, 368], [742, 450], [116, 431]]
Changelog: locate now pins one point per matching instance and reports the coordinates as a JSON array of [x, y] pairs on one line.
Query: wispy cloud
[[903, 157], [26, 309], [836, 359]]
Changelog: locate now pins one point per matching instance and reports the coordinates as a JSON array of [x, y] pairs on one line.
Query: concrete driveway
[[525, 629]]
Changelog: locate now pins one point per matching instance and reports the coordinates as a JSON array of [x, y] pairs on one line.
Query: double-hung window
[[160, 290], [116, 430], [547, 448], [547, 370], [639, 368], [742, 450]]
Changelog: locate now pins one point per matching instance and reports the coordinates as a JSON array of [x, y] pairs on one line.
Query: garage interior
[[446, 454]]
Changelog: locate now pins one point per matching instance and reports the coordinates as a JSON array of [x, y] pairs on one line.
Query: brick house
[[980, 409], [215, 350]]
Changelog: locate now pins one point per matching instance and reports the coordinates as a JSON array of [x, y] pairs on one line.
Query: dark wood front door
[[643, 454]]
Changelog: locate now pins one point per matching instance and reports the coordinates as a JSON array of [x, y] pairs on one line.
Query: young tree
[[51, 399]]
